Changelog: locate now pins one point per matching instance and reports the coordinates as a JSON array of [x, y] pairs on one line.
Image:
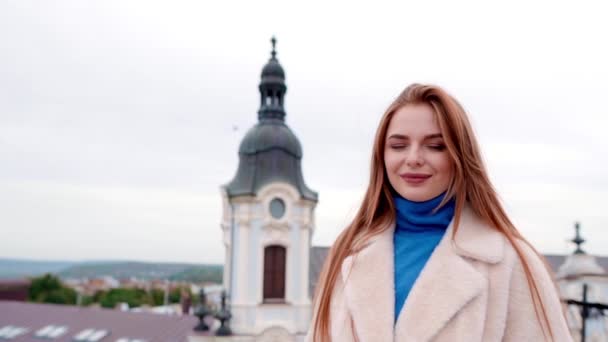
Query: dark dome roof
[[273, 69], [270, 151], [266, 136]]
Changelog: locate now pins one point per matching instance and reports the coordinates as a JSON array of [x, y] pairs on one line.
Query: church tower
[[267, 223]]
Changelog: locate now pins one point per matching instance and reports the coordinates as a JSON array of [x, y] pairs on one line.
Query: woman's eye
[[398, 146], [437, 147]]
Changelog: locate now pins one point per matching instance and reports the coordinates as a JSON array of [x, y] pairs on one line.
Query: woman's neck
[[421, 216]]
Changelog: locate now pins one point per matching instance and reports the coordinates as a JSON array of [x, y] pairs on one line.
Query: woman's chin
[[418, 194]]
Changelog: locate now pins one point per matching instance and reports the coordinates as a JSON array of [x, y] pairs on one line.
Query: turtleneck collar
[[419, 217]]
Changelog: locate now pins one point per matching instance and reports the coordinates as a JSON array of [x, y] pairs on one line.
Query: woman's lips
[[415, 178]]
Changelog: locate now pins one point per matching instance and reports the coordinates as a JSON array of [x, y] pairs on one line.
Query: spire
[[578, 240], [579, 264], [270, 151], [272, 88]]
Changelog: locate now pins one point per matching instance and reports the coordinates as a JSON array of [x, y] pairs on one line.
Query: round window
[[277, 208]]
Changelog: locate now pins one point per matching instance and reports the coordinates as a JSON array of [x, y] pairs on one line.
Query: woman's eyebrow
[[426, 137], [398, 136]]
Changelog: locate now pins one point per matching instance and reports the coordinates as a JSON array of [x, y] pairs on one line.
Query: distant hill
[[199, 274], [145, 270], [21, 268], [15, 268]]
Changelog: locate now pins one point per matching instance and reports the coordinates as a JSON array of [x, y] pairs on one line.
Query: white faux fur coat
[[472, 289]]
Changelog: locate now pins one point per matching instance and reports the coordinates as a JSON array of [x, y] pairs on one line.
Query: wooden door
[[274, 273]]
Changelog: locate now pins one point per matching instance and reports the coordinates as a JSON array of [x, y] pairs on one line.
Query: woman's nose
[[414, 157]]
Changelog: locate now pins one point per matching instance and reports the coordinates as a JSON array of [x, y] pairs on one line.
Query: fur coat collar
[[450, 299]]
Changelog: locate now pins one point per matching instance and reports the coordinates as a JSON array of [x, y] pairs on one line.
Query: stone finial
[[273, 40], [578, 239]]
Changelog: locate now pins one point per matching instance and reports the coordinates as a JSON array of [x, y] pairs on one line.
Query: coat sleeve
[[522, 323], [341, 324]]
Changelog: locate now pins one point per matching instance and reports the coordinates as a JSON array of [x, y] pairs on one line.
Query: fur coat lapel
[[446, 284]]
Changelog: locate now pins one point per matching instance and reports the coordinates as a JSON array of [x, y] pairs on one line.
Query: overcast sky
[[120, 120]]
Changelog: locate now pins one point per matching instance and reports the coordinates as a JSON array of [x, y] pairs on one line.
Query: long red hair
[[470, 184]]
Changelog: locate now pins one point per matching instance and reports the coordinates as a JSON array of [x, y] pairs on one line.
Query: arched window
[[274, 274]]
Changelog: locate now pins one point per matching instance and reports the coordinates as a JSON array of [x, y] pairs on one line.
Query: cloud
[[67, 221], [118, 117]]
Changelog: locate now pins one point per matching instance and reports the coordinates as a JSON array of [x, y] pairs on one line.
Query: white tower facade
[[267, 224], [267, 239]]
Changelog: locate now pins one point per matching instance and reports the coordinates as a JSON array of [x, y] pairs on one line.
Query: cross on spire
[[274, 42], [578, 239]]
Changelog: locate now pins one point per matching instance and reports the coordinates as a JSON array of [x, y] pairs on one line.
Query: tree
[[133, 297], [88, 300], [175, 296], [49, 289], [157, 297]]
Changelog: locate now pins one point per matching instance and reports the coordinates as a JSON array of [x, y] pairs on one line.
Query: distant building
[[91, 286], [16, 289], [578, 270]]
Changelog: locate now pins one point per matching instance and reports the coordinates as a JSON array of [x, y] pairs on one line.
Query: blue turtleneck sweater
[[417, 233]]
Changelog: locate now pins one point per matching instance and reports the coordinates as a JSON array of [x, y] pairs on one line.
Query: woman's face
[[415, 156]]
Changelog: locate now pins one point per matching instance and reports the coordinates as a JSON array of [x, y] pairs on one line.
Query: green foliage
[[62, 296], [157, 297], [196, 300], [49, 289], [137, 297], [88, 300], [175, 296], [133, 297], [98, 295]]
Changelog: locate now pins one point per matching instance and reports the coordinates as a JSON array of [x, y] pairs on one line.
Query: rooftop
[[48, 322]]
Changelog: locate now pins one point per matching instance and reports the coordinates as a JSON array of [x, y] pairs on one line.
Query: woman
[[431, 253]]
